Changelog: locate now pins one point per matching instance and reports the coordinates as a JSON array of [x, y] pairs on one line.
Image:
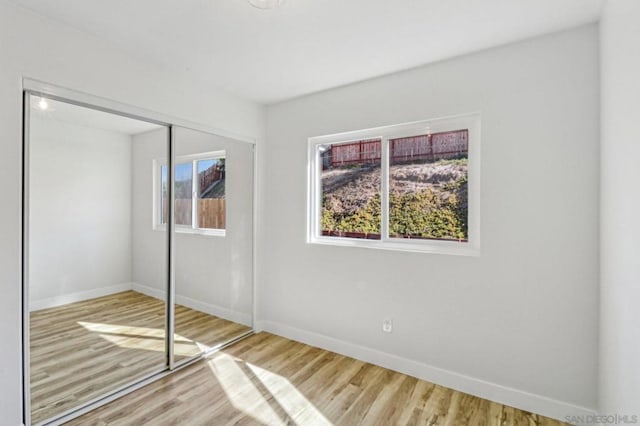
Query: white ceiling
[[309, 45], [87, 117]]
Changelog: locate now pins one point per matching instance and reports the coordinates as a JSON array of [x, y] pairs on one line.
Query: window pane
[[428, 186], [351, 181], [184, 191], [211, 193]]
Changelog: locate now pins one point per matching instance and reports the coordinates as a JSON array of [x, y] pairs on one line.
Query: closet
[[138, 240]]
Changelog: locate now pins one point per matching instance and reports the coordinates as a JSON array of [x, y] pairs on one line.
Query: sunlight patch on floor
[[267, 397], [145, 338], [186, 348], [241, 392], [296, 405]]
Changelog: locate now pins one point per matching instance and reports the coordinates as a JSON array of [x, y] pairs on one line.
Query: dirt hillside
[[349, 189]]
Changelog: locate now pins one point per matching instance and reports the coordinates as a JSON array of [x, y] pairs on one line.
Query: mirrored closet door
[[137, 249], [97, 272], [213, 240]]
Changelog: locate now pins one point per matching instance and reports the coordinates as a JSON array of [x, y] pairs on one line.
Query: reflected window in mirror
[[200, 199]]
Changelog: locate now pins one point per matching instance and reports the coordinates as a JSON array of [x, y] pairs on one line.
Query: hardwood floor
[[266, 379], [81, 350]]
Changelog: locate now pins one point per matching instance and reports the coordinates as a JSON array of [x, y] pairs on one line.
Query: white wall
[[80, 212], [38, 48], [149, 247], [213, 273], [620, 228], [517, 324]]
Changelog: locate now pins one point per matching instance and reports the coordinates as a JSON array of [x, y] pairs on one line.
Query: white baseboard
[[207, 308], [502, 394], [150, 291], [52, 302], [218, 311]]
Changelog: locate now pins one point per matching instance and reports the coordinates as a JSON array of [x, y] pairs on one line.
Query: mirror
[[99, 261], [213, 240], [97, 270]]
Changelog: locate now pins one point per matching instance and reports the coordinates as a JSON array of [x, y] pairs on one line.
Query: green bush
[[366, 219], [424, 214]]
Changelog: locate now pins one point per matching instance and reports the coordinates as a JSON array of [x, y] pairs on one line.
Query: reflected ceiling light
[[43, 104], [265, 4]]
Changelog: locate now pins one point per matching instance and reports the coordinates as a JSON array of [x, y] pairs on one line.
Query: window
[[407, 187], [200, 205], [350, 181]]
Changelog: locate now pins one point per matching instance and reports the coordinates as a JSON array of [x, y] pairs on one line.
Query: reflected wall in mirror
[[213, 240], [89, 251]]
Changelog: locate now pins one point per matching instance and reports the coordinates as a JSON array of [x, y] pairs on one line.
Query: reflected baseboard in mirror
[[200, 332], [81, 350]]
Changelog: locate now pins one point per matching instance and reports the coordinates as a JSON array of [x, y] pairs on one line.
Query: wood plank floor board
[[494, 414], [270, 380], [372, 386], [392, 411], [385, 404], [419, 397]]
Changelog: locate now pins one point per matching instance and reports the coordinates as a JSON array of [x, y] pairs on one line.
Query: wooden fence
[[432, 147], [361, 152], [182, 214], [211, 212]]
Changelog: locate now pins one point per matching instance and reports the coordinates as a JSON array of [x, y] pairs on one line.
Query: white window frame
[[471, 247], [158, 163]]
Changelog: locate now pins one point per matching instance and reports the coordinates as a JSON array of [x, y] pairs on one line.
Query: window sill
[[415, 246], [194, 231]]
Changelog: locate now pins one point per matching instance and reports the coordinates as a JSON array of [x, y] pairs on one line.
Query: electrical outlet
[[387, 325]]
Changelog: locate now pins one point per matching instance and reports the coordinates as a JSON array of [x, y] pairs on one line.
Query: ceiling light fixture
[[43, 104], [265, 4]]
